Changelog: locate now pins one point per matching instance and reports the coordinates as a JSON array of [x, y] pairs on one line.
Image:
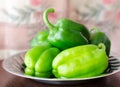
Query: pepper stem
[[45, 17], [101, 46], [94, 29]]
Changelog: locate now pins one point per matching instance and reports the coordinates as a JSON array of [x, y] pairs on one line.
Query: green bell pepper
[[66, 33], [80, 62], [100, 37], [40, 39], [44, 63], [38, 61], [31, 58]]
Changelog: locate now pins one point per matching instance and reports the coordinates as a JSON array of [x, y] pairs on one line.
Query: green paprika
[[44, 63], [38, 61], [98, 36], [66, 33], [31, 57], [40, 39], [80, 62]]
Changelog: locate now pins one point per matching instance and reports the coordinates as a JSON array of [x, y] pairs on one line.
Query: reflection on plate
[[14, 65]]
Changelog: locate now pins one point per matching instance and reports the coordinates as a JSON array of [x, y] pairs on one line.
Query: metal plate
[[14, 66]]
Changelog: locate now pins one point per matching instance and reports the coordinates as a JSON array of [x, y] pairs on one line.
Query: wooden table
[[9, 80]]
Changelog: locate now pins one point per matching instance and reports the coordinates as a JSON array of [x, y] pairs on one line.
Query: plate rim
[[51, 79]]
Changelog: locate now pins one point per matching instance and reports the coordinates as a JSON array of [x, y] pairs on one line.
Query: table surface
[[9, 80]]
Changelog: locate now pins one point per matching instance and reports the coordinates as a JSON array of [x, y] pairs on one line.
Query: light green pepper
[[31, 57], [38, 61], [80, 62], [43, 67]]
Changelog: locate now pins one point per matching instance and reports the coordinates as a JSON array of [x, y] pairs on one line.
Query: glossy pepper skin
[[38, 61], [80, 62], [44, 63], [40, 39], [31, 57], [100, 37], [65, 33]]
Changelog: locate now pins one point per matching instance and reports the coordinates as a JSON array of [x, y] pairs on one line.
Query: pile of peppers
[[67, 49]]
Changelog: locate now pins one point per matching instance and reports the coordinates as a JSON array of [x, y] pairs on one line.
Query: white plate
[[14, 66]]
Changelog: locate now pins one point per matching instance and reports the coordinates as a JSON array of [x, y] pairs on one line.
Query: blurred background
[[20, 20]]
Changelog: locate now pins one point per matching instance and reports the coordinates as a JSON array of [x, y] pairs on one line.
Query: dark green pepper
[[66, 33], [80, 62], [38, 61], [100, 37], [40, 39]]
